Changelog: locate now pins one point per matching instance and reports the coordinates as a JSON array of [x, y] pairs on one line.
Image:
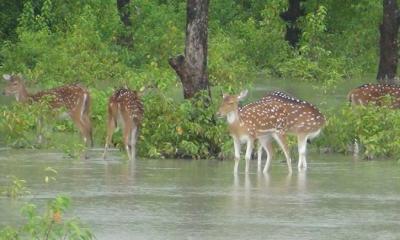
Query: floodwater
[[336, 198]]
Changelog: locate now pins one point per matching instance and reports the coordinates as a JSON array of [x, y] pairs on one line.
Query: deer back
[[68, 96], [262, 117], [127, 102], [302, 116], [374, 94]]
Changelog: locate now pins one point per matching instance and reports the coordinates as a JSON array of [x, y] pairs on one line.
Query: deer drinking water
[[74, 98], [270, 117], [124, 106]]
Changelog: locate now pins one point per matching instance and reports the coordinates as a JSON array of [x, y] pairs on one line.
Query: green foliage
[[182, 130], [375, 128], [228, 68], [15, 188], [54, 42], [312, 61], [15, 125], [262, 41], [51, 224], [157, 34], [19, 123]]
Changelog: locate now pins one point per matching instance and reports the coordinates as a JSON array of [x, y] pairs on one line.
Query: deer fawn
[[374, 93], [74, 98], [270, 117], [126, 107]]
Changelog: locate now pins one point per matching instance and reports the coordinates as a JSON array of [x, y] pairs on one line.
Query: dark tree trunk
[[126, 38], [388, 42], [192, 68], [290, 16]]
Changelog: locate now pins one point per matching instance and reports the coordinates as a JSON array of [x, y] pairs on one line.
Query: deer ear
[[7, 77], [242, 94]]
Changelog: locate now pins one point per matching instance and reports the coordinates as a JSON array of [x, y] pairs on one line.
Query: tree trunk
[[126, 39], [192, 68], [388, 42], [290, 16]]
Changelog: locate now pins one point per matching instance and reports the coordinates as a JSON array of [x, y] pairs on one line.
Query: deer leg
[[76, 118], [85, 118], [302, 146], [127, 138], [110, 130], [356, 148], [134, 134], [266, 144], [40, 130], [249, 150], [259, 156], [83, 121], [236, 145], [281, 139], [88, 130]]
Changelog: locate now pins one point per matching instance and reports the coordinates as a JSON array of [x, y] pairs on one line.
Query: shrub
[[50, 225], [375, 128], [187, 130]]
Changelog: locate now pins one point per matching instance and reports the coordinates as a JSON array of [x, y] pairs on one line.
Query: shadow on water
[[337, 198]]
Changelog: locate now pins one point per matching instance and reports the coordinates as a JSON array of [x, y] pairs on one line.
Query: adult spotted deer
[[270, 117], [124, 106], [74, 98], [304, 120], [374, 94]]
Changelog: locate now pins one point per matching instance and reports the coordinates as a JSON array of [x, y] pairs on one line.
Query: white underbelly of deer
[[244, 138]]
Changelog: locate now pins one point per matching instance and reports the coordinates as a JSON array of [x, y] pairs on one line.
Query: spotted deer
[[74, 98], [304, 120], [374, 94], [270, 117], [125, 107]]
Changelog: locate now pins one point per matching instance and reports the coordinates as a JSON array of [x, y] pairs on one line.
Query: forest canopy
[[79, 40]]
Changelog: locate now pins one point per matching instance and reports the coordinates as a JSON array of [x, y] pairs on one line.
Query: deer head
[[15, 86], [230, 103]]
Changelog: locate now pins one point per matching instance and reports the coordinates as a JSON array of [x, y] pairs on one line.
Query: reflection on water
[[337, 198]]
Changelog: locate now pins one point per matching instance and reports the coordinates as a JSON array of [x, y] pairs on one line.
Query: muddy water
[[337, 198]]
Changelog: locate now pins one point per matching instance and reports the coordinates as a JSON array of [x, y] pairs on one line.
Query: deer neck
[[22, 95], [233, 117]]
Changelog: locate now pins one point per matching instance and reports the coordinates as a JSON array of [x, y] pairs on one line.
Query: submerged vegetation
[[58, 42]]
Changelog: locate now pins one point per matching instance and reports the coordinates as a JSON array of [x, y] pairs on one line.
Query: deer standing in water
[[74, 98], [124, 106], [270, 117], [303, 120], [374, 94]]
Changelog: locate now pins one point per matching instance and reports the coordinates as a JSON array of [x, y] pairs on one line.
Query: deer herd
[[274, 116]]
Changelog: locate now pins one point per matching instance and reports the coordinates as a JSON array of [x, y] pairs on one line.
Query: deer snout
[[218, 114]]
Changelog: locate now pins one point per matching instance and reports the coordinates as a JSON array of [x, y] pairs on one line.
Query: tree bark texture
[[388, 43], [290, 16], [126, 39], [192, 67]]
